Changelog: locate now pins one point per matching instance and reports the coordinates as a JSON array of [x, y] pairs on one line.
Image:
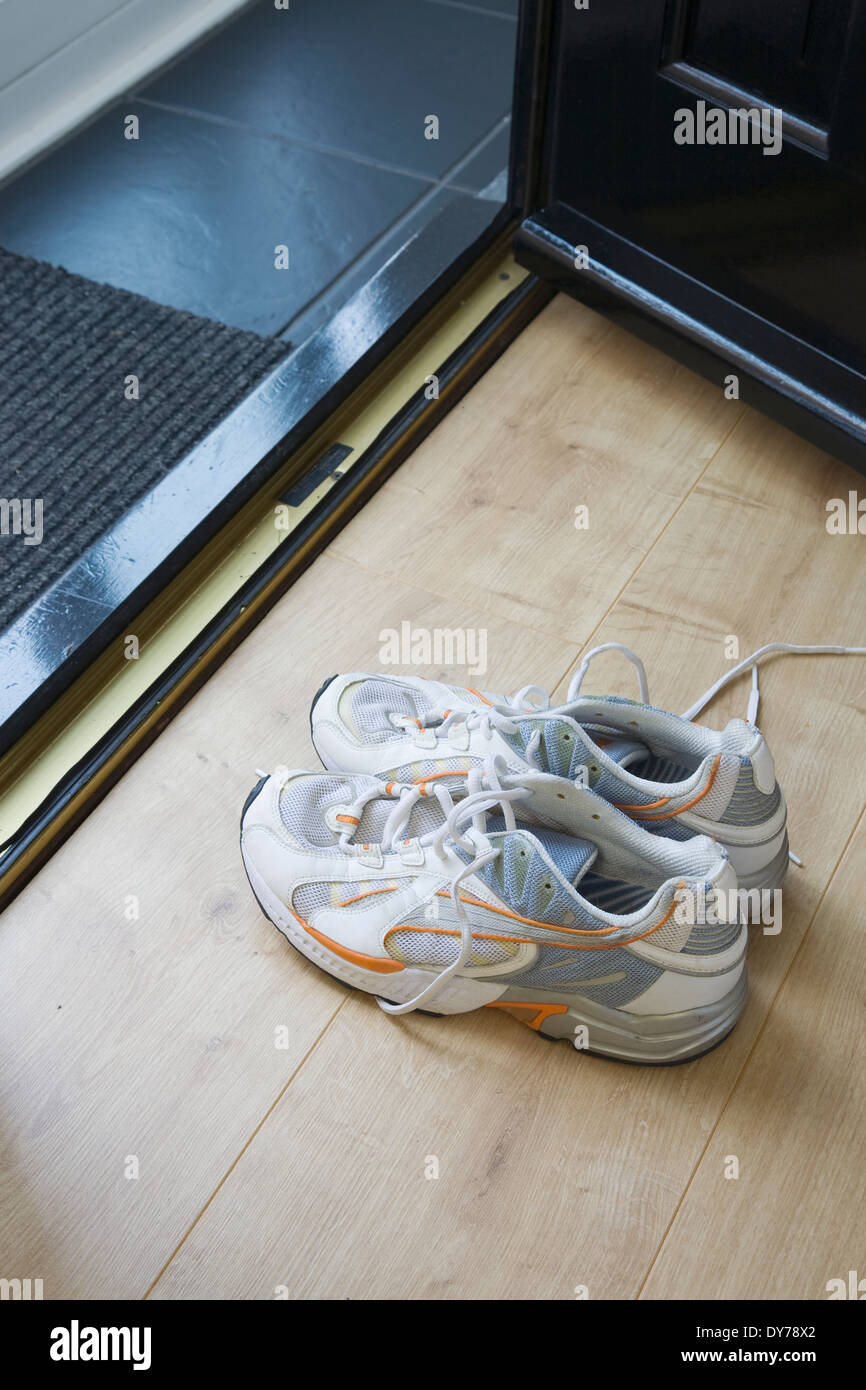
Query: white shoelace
[[474, 808], [442, 722], [771, 649], [504, 716]]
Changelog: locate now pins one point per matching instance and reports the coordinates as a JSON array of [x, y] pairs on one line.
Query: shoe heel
[[647, 1039], [765, 880]]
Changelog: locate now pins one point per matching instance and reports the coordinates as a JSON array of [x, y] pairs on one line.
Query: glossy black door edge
[[811, 393], [534, 27], [721, 93], [92, 604], [270, 582]]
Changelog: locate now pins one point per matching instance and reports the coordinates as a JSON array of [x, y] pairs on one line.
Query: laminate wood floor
[[304, 1166]]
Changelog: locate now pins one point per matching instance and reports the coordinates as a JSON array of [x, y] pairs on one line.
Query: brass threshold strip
[[75, 747]]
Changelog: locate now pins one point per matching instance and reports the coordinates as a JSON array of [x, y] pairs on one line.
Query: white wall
[[61, 60]]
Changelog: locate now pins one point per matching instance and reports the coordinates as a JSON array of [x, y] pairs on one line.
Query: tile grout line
[[369, 251], [333, 151], [427, 196], [751, 1052], [236, 1160]]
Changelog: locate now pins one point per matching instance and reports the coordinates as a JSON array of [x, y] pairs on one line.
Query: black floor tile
[[190, 214], [322, 309], [355, 77]]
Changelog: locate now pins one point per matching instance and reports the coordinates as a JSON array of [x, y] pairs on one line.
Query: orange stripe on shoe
[[634, 812], [372, 894], [382, 965], [452, 931], [568, 931], [350, 820], [483, 698], [646, 806], [531, 921], [533, 1015], [433, 776]]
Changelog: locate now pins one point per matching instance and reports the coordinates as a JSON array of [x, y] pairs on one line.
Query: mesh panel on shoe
[[441, 948], [416, 772], [660, 726], [372, 701], [671, 829], [563, 752], [559, 749], [613, 896], [656, 769], [571, 856], [305, 801], [308, 898], [303, 805], [709, 940], [711, 804], [672, 936], [614, 980], [522, 879], [747, 805], [426, 815]]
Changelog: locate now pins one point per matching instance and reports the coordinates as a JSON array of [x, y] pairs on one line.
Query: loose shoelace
[[484, 792], [503, 716], [771, 649]]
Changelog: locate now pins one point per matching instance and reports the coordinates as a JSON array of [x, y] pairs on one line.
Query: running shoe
[[673, 776], [625, 943]]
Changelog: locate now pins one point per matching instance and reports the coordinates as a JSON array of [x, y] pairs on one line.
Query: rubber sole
[[771, 876], [659, 1040], [654, 1040], [321, 690]]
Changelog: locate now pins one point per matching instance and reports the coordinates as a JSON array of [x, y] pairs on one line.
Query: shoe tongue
[[623, 750], [572, 857], [563, 748], [426, 815]]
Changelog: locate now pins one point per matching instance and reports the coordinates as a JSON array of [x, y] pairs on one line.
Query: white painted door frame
[[62, 62]]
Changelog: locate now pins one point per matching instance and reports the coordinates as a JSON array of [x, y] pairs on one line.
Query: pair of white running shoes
[[584, 867]]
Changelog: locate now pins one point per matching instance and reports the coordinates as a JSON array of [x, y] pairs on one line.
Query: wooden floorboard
[[485, 509], [307, 1167], [155, 1038], [791, 1221]]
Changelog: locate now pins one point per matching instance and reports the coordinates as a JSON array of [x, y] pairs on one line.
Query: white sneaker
[[621, 941], [675, 777]]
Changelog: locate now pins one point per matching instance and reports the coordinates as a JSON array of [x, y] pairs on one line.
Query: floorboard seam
[[236, 1160], [747, 1059], [677, 509], [450, 598]]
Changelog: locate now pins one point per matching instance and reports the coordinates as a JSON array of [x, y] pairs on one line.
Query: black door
[[703, 179]]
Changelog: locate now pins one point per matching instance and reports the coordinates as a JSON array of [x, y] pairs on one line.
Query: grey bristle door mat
[[69, 435]]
